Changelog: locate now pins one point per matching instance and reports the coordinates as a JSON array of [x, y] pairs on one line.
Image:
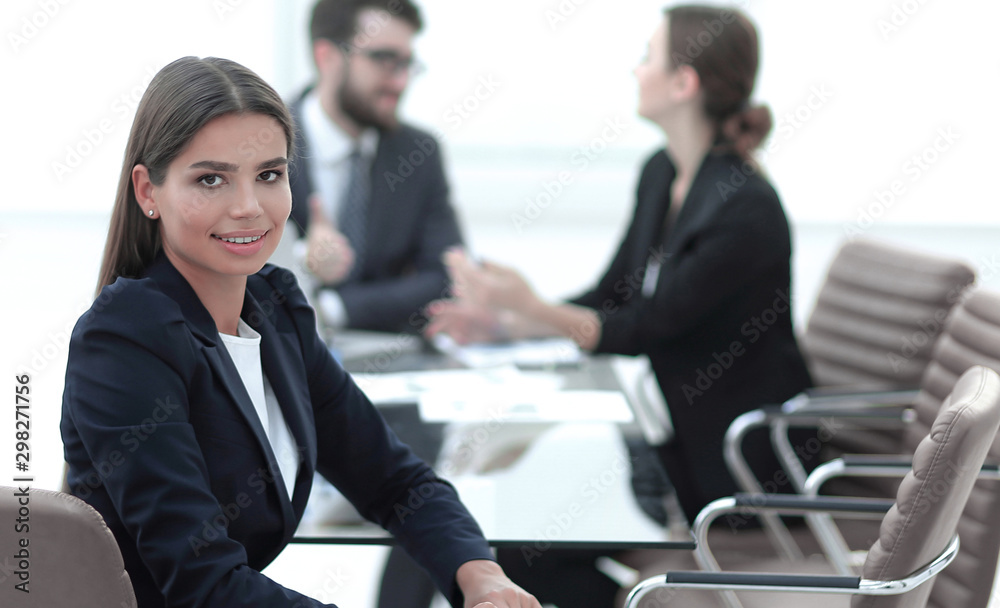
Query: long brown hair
[[182, 98], [721, 45]]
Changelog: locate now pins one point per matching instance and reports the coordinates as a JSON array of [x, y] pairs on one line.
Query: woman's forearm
[[578, 323]]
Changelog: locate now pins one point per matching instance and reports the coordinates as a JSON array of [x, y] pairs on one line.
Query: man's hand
[[484, 585], [328, 255]]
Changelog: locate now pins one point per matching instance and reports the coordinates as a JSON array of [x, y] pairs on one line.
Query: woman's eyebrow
[[215, 165], [274, 162]]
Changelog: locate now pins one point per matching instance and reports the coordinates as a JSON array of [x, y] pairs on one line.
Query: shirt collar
[[328, 142]]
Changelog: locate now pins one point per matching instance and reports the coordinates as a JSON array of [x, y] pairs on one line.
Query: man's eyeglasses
[[390, 61]]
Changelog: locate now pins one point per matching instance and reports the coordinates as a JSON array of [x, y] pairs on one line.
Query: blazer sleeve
[[743, 243], [396, 303], [380, 475], [126, 396]]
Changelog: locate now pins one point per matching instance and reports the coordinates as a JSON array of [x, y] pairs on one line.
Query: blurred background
[[885, 127]]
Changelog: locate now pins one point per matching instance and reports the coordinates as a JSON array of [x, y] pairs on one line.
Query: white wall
[[857, 87], [563, 68]]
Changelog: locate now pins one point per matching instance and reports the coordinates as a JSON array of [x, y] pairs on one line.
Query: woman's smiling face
[[225, 199]]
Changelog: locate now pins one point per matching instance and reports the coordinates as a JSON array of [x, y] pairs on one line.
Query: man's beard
[[358, 109]]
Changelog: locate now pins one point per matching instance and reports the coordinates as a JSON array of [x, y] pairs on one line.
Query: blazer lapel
[[203, 327], [704, 198], [222, 364], [277, 352], [649, 241]]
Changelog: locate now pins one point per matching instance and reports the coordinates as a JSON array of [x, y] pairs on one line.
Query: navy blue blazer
[[716, 321], [410, 224], [163, 440]]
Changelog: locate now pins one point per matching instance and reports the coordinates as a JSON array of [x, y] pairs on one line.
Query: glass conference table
[[533, 440]]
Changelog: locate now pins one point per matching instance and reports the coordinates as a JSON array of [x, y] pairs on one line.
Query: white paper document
[[407, 387], [525, 353], [525, 406]]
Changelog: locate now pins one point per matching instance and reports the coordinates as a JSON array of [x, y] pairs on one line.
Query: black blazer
[[718, 326], [410, 224], [162, 439]]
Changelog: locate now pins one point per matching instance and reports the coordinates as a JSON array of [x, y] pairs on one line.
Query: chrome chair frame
[[875, 408], [726, 583], [831, 540]]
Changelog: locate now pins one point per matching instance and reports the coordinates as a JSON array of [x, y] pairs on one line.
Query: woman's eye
[[211, 180], [269, 176]]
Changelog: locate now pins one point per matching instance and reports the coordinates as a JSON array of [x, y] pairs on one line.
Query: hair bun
[[746, 129]]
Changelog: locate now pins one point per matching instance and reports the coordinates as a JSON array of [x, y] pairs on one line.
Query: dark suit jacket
[[718, 326], [162, 439], [410, 224]]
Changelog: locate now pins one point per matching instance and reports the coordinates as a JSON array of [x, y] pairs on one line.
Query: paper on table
[[527, 353], [407, 387], [525, 406]]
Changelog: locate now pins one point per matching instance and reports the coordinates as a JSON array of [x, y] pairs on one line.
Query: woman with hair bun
[[701, 281]]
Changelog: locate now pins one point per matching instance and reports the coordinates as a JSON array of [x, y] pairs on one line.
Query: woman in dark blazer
[[199, 399], [701, 281]]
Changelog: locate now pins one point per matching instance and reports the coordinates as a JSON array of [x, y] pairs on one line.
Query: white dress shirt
[[245, 352], [329, 165]]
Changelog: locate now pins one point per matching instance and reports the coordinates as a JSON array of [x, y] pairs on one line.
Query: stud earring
[[151, 212]]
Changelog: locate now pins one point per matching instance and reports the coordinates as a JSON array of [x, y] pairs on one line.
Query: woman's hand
[[465, 321], [484, 585], [489, 284]]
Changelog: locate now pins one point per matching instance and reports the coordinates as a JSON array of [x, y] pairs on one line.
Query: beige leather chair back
[[931, 498], [71, 556], [875, 322], [971, 337], [878, 314]]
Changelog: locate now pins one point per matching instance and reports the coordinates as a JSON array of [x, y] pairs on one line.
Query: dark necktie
[[353, 217]]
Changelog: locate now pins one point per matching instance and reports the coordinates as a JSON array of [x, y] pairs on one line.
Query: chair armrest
[[873, 465], [892, 414], [727, 582], [742, 506], [860, 462], [811, 408], [904, 461], [794, 504], [820, 396], [889, 415], [762, 580]]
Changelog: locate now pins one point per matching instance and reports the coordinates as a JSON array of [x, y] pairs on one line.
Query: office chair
[[70, 558], [916, 541], [971, 337], [869, 338]]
